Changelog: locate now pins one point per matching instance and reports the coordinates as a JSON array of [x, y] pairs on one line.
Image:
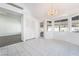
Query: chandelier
[[52, 12]]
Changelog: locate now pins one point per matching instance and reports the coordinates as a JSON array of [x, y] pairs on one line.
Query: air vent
[[15, 6]]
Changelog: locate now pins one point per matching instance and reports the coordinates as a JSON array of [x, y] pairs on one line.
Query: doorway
[[10, 27]]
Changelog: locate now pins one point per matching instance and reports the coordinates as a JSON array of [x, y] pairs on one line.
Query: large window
[[75, 24], [41, 26], [61, 25], [49, 25]]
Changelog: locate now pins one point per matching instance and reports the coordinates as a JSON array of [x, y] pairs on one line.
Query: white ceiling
[[40, 10]]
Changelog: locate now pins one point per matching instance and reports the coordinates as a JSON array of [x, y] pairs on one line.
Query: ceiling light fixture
[[51, 11]]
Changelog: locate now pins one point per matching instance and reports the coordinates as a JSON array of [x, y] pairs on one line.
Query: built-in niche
[[49, 25], [41, 29]]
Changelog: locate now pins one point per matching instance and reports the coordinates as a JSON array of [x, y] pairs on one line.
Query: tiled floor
[[40, 47]]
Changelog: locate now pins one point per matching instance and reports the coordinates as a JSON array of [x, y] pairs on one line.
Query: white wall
[[64, 36], [67, 36], [30, 29], [30, 26], [9, 25]]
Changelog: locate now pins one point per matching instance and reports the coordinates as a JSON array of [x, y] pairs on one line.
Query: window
[[49, 25], [75, 24], [61, 25], [41, 26]]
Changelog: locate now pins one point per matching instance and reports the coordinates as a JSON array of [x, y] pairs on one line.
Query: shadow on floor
[[8, 40]]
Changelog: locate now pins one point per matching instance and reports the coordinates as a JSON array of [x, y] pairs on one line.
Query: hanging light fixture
[[51, 11]]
